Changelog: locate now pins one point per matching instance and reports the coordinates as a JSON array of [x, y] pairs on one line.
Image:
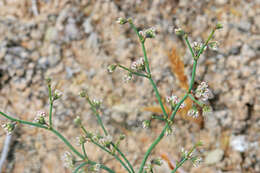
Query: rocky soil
[[75, 41]]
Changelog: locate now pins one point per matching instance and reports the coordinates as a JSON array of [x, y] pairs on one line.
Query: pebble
[[214, 156]]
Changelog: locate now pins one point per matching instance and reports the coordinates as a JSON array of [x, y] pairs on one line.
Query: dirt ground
[[74, 41]]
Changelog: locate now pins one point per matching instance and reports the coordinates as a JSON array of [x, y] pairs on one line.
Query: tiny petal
[[219, 26]]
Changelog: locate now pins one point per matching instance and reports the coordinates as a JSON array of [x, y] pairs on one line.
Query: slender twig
[[84, 151], [106, 133], [179, 164], [51, 106], [133, 72], [58, 135], [196, 101]]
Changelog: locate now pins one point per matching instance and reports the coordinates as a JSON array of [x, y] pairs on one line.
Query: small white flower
[[127, 77], [196, 161], [106, 140], [193, 113], [203, 92], [40, 117], [96, 103], [96, 167], [57, 94], [184, 152], [146, 124], [9, 127], [138, 65], [68, 160]]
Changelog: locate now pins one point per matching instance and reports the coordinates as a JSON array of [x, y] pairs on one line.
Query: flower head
[[138, 65], [121, 21], [146, 124], [77, 121], [179, 32], [106, 141], [68, 160], [9, 127], [203, 92], [174, 100], [40, 117], [127, 77], [57, 94], [194, 113]]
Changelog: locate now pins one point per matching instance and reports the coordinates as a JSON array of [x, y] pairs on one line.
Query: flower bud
[[111, 68], [9, 127], [219, 26], [146, 124], [157, 161], [57, 94], [40, 117], [83, 93], [214, 45], [121, 21], [150, 33], [179, 32], [77, 121]]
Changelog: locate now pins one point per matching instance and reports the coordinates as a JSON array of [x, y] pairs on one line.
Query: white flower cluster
[[193, 113], [148, 33], [40, 117], [9, 127], [96, 103], [68, 160], [138, 65], [174, 100], [127, 77], [57, 94], [203, 92], [96, 167], [106, 140]]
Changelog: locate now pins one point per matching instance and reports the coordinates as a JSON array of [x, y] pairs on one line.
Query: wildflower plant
[[79, 160]]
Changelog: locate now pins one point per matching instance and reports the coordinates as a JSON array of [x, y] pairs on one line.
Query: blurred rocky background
[[73, 41]]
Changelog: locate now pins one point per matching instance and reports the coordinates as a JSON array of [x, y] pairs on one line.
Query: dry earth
[[73, 41]]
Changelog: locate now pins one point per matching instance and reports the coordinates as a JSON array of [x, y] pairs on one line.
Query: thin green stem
[[158, 118], [103, 148], [84, 151], [51, 106], [131, 71], [158, 97], [24, 122], [67, 143], [116, 157], [196, 101], [80, 166], [189, 46], [193, 75], [123, 156], [206, 43], [179, 164], [57, 134]]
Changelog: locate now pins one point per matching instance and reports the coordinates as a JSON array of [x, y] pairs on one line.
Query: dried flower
[[9, 127], [57, 95], [121, 21], [40, 117]]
